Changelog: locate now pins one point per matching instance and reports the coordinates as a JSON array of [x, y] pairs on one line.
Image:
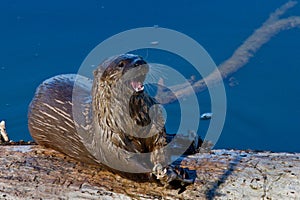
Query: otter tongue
[[137, 86]]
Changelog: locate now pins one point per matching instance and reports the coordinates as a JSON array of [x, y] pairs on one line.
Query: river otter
[[110, 120]]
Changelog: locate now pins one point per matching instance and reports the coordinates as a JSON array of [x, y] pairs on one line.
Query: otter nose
[[139, 62]]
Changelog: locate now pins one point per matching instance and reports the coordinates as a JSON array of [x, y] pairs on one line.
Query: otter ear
[[95, 72], [99, 71]]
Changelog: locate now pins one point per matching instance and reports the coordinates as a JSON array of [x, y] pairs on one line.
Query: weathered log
[[30, 171]]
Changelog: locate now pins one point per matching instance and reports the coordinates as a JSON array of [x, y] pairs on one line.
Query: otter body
[[94, 121], [50, 118], [109, 121]]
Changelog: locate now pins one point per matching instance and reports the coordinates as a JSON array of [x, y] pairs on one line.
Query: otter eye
[[121, 64]]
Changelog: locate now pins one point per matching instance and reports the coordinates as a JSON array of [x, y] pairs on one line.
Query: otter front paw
[[171, 174]]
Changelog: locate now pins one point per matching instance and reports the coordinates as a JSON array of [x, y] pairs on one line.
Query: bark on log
[[32, 172]]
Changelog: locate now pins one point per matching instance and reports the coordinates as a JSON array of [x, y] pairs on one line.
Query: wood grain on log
[[37, 173]]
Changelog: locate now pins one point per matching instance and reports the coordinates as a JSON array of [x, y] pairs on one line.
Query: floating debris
[[4, 139], [154, 43], [3, 133], [233, 82], [206, 116]]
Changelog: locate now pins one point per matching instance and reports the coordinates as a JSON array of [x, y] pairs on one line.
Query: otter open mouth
[[135, 73], [137, 86], [135, 80], [136, 77], [137, 83]]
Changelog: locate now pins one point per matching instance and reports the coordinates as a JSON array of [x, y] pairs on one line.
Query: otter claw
[[168, 174]]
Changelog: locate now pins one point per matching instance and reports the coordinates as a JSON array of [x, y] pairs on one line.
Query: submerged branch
[[239, 58]]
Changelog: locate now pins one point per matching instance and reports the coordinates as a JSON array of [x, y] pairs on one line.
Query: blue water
[[40, 39]]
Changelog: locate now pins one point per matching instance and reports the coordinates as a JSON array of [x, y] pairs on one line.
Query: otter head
[[123, 71], [115, 82]]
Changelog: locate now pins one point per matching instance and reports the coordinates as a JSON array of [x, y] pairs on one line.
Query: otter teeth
[[137, 86]]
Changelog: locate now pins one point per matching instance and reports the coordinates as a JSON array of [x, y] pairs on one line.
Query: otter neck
[[110, 106]]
